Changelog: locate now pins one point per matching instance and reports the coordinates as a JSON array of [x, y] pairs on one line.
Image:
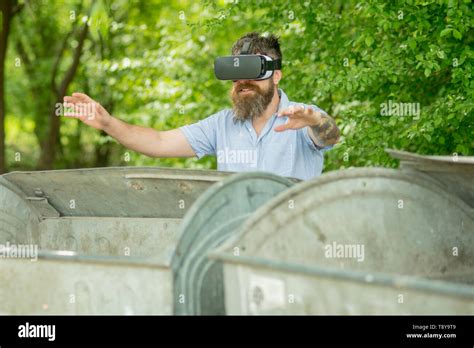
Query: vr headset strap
[[246, 47]]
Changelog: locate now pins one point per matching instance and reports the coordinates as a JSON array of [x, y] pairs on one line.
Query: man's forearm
[[133, 137], [148, 141], [325, 132]]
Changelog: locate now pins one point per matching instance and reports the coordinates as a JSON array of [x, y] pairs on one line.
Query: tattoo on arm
[[326, 132]]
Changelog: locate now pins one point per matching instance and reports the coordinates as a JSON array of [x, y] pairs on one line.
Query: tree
[[47, 46], [8, 8], [150, 63]]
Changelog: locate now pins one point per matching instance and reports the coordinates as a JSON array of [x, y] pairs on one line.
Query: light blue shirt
[[235, 143]]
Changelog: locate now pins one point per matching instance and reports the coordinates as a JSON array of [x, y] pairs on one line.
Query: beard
[[251, 105]]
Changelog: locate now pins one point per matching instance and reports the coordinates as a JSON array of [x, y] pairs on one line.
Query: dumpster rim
[[406, 156], [121, 168], [70, 256]]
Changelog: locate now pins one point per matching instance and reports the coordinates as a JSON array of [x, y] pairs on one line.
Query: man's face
[[250, 98]]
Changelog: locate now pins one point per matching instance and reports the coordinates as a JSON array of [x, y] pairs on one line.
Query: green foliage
[[150, 63], [351, 58]]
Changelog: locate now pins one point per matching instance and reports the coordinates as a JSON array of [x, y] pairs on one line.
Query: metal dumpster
[[213, 218], [105, 238], [454, 173], [358, 241]]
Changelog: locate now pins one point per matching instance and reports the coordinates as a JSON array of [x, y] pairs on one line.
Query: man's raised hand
[[298, 117], [83, 107], [322, 128]]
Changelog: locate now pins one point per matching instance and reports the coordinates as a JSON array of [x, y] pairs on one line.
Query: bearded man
[[263, 131]]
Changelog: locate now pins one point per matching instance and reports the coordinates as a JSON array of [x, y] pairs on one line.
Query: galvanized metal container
[[211, 220], [136, 241], [105, 237], [454, 173]]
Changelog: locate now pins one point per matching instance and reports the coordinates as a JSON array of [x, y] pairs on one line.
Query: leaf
[[427, 72], [457, 34], [99, 21], [445, 32], [412, 43], [369, 40], [462, 149]]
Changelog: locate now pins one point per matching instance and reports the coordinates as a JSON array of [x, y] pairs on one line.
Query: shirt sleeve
[[202, 135], [308, 137]]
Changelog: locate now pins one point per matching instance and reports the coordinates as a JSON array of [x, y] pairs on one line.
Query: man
[[263, 131]]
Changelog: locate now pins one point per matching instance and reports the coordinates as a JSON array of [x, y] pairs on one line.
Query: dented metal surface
[[116, 191], [407, 224], [30, 197]]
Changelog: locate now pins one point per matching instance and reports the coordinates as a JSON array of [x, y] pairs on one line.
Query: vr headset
[[245, 66]]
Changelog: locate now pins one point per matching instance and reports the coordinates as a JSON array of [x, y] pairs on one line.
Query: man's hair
[[259, 44]]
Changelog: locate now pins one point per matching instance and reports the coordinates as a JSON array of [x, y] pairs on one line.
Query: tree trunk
[[48, 150]]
